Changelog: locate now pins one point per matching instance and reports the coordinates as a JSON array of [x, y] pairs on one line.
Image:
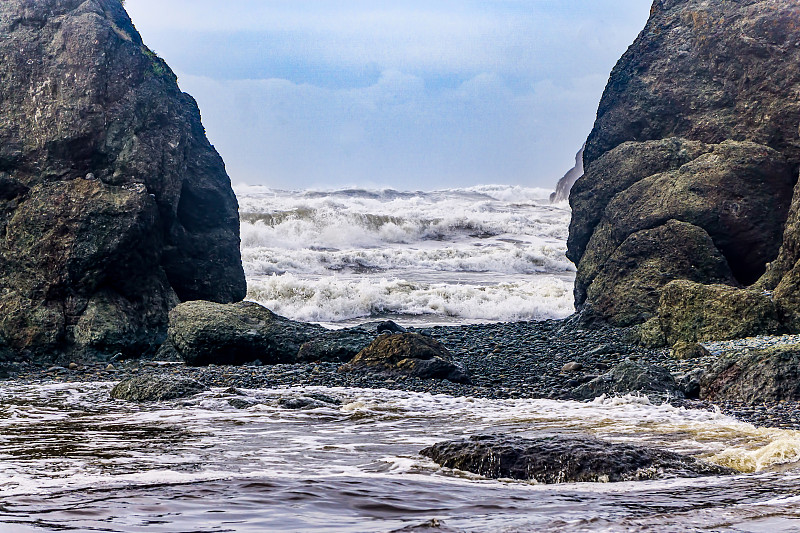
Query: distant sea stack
[[692, 162], [565, 184], [114, 207]]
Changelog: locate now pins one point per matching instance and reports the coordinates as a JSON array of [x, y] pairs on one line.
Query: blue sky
[[407, 94]]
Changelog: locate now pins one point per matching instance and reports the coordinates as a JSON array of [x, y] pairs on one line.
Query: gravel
[[505, 360]]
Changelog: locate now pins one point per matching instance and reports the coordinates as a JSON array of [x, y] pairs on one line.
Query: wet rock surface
[[156, 388], [565, 459], [632, 377], [693, 127], [113, 204], [203, 333], [407, 354]]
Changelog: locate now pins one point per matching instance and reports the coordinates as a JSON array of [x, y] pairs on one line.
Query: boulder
[[407, 354], [113, 205], [755, 376], [566, 459], [337, 346], [693, 312], [234, 334], [156, 388], [631, 377], [683, 350], [695, 125]]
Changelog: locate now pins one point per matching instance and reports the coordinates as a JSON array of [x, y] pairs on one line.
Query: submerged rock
[[407, 354], [631, 377], [113, 204], [566, 459], [234, 334], [156, 388]]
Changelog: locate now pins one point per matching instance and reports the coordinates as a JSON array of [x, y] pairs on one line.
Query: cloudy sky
[[408, 94]]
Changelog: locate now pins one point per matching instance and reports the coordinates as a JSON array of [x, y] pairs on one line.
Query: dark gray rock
[[566, 459], [156, 388], [631, 377], [337, 346], [234, 334], [407, 354], [113, 204], [755, 376]]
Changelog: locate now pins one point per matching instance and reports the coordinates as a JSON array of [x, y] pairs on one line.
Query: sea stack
[[114, 207], [692, 161]]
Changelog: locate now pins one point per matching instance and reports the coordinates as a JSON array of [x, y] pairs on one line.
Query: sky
[[403, 94]]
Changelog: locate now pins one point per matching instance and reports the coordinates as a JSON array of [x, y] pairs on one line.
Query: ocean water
[[340, 257], [72, 459]]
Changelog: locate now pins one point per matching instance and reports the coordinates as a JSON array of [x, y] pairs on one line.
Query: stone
[[755, 376], [73, 366], [631, 377], [337, 346], [566, 459], [113, 205], [156, 388], [690, 383], [692, 312], [572, 366], [389, 326], [206, 333], [683, 350], [407, 354], [695, 125]]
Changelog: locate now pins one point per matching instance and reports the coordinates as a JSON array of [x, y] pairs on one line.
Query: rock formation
[[113, 205], [565, 184], [692, 161], [565, 459]]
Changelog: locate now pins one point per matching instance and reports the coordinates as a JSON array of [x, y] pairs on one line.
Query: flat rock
[[407, 354], [566, 459], [156, 388]]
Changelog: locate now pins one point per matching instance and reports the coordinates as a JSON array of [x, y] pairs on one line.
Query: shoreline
[[507, 360]]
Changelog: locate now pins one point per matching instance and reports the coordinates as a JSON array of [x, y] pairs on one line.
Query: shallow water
[[72, 459]]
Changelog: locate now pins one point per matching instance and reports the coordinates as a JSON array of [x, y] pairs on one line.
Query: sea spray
[[487, 253]]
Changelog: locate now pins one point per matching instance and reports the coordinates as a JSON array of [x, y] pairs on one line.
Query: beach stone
[[156, 388], [390, 326], [407, 354], [690, 382], [631, 377], [73, 366], [337, 346], [565, 459], [755, 376], [682, 350], [572, 366], [234, 334], [113, 204], [693, 312]]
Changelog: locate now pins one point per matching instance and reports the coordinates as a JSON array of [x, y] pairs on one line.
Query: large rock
[[755, 376], [338, 346], [631, 377], [694, 312], [407, 354], [566, 459], [233, 334], [696, 125], [113, 204], [156, 388]]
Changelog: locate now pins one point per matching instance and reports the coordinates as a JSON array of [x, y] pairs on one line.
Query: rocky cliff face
[[697, 131], [113, 204]]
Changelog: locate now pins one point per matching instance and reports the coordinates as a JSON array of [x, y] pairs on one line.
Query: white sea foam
[[483, 253]]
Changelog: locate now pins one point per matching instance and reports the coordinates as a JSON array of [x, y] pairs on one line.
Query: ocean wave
[[333, 299]]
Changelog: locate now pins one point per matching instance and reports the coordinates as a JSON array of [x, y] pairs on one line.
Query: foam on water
[[488, 253]]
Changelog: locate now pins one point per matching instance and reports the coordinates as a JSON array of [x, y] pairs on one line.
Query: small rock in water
[[154, 387], [572, 366], [73, 366], [109, 367]]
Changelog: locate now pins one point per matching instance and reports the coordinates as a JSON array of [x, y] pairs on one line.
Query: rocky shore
[[547, 359]]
